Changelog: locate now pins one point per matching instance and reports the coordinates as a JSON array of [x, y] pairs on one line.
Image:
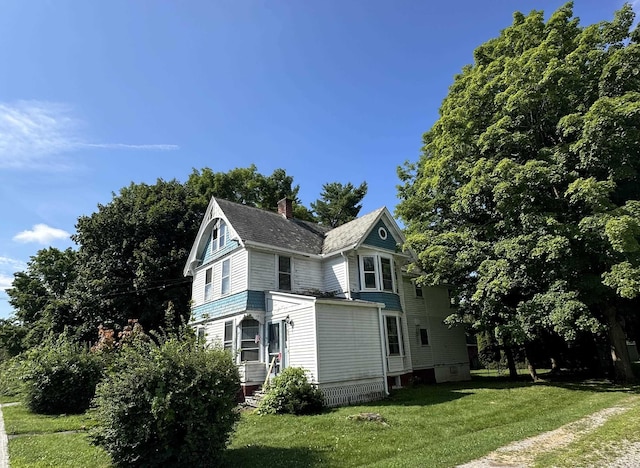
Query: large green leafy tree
[[38, 294], [339, 204], [130, 258], [526, 195], [246, 186]]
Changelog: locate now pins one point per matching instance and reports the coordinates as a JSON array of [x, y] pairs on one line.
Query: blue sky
[[95, 95]]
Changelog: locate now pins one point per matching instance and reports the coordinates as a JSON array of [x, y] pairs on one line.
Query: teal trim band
[[229, 305], [390, 300]]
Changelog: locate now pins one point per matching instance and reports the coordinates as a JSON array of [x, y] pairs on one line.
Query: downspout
[[346, 261], [382, 351]]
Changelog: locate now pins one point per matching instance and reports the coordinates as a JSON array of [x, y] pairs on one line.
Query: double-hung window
[[284, 273], [208, 284], [394, 336], [228, 335], [249, 345], [376, 272], [226, 277], [219, 236]]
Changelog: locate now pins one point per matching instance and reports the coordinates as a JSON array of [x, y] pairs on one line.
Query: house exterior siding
[[374, 239], [348, 343], [335, 279], [352, 346]]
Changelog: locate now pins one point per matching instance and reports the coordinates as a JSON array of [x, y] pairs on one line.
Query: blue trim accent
[[229, 305], [390, 300], [374, 239], [209, 256]]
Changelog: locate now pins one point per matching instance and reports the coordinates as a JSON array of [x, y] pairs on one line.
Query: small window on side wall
[[418, 290], [208, 285], [284, 273], [424, 337], [226, 281], [228, 335]]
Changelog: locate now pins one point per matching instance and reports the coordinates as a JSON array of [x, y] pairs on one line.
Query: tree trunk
[[619, 352], [555, 368], [513, 372], [532, 369]]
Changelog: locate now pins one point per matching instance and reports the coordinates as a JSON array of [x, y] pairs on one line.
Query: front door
[[276, 332]]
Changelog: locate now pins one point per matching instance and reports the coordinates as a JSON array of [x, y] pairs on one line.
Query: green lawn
[[38, 441], [437, 426]]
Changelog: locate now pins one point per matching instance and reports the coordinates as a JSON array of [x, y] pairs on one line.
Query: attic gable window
[[219, 236], [376, 273]]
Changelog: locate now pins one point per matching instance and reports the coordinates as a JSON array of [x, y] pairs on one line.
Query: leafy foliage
[[339, 203], [290, 392], [526, 194], [171, 404], [60, 377]]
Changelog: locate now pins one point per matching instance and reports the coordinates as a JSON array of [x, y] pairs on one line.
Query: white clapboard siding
[[262, 271], [239, 266], [301, 337], [348, 342], [335, 274], [416, 318], [354, 273], [450, 358], [197, 288], [214, 331], [307, 274]]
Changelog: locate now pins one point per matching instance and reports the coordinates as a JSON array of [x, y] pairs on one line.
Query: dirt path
[[4, 444], [521, 454]]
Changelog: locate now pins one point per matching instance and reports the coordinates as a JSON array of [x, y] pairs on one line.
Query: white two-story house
[[277, 291]]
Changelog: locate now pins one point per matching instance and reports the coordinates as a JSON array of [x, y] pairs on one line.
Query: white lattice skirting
[[348, 394]]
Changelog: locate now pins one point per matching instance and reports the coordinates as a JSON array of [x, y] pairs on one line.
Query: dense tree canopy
[[339, 204], [38, 294], [527, 194], [130, 257]]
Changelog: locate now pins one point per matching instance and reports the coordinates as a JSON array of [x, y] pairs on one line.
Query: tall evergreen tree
[[339, 204]]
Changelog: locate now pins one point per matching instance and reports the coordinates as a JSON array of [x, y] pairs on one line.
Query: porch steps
[[254, 400]]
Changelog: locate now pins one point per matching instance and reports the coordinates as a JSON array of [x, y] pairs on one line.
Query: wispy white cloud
[[41, 234], [36, 135], [11, 263], [5, 282], [7, 267]]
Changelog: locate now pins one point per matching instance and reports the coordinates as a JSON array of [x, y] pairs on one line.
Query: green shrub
[[291, 393], [10, 372], [60, 377], [172, 404]]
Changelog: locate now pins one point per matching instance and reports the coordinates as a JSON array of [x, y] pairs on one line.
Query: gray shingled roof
[[266, 227], [349, 233]]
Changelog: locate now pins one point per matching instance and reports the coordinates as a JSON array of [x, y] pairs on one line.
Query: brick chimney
[[285, 208]]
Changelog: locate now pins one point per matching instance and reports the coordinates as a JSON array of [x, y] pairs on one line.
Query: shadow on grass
[[590, 385], [279, 457]]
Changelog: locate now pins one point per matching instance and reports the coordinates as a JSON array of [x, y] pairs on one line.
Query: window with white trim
[[219, 236], [284, 273], [376, 273], [225, 284], [227, 342], [208, 284], [394, 335], [250, 340]]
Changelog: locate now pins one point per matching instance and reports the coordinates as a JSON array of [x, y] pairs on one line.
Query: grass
[[38, 441], [19, 420], [436, 425]]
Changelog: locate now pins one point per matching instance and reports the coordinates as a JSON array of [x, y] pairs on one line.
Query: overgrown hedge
[[172, 404], [59, 377], [291, 392]]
